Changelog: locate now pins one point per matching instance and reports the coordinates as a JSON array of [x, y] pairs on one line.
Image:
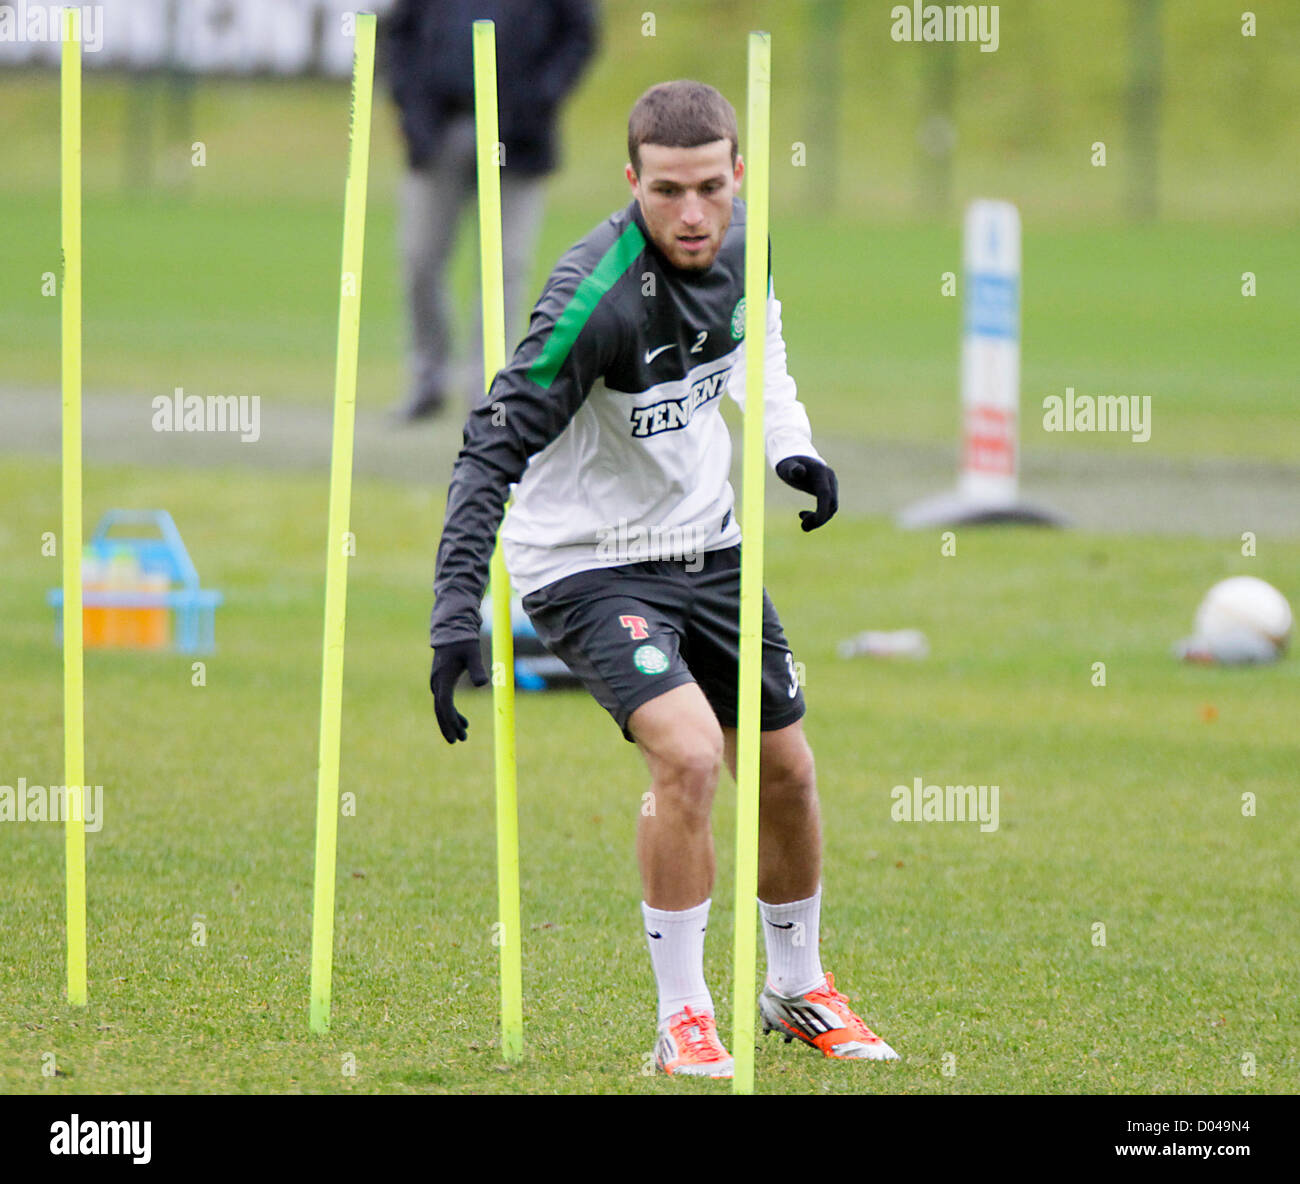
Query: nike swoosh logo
[[651, 354], [649, 934], [787, 925]]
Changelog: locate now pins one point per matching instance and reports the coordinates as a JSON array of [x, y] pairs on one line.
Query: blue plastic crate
[[193, 607]]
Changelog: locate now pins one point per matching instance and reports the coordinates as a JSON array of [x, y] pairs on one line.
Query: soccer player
[[622, 541]]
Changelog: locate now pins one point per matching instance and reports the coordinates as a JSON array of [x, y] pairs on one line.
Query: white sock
[[676, 942], [793, 935]]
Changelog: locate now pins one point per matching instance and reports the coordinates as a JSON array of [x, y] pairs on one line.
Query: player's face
[[685, 197]]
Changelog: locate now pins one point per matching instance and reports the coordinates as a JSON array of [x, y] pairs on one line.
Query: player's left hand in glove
[[812, 476], [449, 661]]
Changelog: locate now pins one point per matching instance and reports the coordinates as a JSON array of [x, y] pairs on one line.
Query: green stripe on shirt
[[613, 263]]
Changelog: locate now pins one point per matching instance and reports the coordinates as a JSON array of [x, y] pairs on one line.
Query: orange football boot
[[823, 1019], [688, 1045]]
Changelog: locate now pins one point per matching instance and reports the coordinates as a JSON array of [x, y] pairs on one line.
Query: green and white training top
[[607, 422]]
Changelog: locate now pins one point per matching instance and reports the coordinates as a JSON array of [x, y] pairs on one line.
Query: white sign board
[[990, 354]]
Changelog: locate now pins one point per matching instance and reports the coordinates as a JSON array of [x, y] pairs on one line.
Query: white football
[[1245, 620]]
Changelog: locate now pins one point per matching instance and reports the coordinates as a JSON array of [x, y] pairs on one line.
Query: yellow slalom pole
[[748, 734], [507, 933], [337, 549], [74, 833]]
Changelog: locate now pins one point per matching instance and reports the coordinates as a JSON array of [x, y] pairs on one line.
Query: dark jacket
[[542, 46]]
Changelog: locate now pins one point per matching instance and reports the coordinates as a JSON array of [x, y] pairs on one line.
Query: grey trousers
[[433, 201]]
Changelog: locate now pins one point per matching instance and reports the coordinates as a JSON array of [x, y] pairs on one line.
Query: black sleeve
[[530, 403]]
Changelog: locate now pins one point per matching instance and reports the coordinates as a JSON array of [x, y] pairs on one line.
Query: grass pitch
[[975, 954]]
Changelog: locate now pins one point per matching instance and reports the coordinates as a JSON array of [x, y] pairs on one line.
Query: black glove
[[811, 476], [448, 663]]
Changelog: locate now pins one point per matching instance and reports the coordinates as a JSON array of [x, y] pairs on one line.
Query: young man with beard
[[607, 420]]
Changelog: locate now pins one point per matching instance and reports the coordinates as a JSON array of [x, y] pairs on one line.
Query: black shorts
[[635, 631]]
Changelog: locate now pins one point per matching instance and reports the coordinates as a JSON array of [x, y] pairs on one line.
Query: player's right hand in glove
[[449, 661]]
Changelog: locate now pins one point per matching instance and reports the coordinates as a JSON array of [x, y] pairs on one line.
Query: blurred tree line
[[1193, 107]]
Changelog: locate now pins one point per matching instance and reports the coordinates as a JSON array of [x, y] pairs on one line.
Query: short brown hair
[[681, 114]]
